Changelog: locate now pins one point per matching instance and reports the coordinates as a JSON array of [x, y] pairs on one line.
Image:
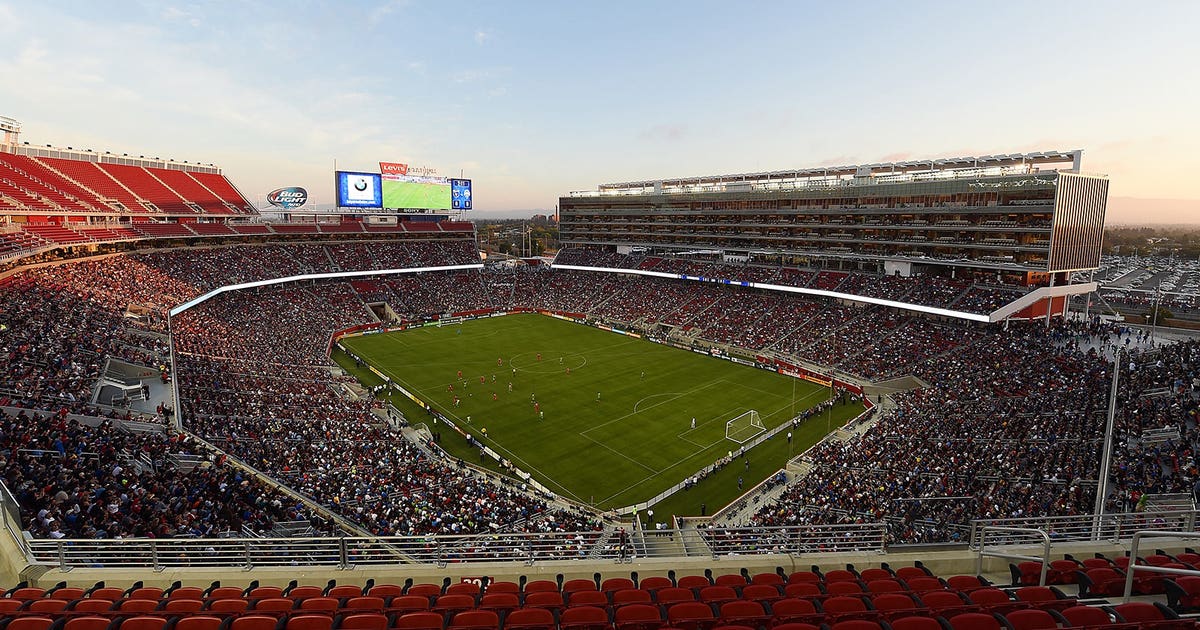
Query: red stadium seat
[[974, 621], [916, 623], [993, 600], [30, 623], [924, 584], [1085, 616], [226, 606], [362, 621], [319, 604], [549, 600], [475, 620], [773, 579], [694, 582], [873, 574], [744, 613], [46, 606], [225, 592], [274, 606], [844, 588], [946, 603], [108, 592], [199, 622], [787, 611], [630, 596], [365, 604], [87, 623], [177, 606], [143, 622], [529, 619], [896, 605], [345, 591], [254, 622], [500, 602], [1031, 619], [463, 588], [762, 593], [385, 590], [668, 596], [504, 587], [857, 624], [1044, 597], [807, 590], [574, 586], [264, 592], [843, 608], [418, 621], [427, 590], [908, 573], [885, 586], [730, 579], [691, 616], [633, 617], [587, 618], [654, 583], [541, 586], [95, 606], [310, 622], [409, 603], [611, 585], [587, 598], [804, 576], [717, 595]]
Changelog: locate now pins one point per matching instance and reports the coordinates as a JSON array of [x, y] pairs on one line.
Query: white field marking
[[607, 447], [633, 413], [636, 404]]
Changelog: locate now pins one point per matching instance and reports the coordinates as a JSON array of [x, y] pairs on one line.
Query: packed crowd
[[1006, 429], [78, 481]]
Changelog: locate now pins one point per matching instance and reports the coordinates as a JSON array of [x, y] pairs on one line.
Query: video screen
[[358, 190], [410, 191], [460, 194]]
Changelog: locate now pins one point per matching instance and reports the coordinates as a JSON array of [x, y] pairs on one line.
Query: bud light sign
[[286, 198]]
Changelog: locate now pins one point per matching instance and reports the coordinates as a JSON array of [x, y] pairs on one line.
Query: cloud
[[379, 13], [666, 132], [176, 14], [9, 23], [482, 37]]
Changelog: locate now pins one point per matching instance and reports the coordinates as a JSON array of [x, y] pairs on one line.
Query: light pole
[[1106, 453], [1155, 304]]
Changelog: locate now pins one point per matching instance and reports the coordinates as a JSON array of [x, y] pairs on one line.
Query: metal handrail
[[1044, 559], [1086, 528], [1149, 568]]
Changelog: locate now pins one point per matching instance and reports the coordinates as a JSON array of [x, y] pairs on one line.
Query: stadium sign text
[[292, 197]]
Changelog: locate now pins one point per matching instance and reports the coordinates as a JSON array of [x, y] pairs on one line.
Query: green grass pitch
[[415, 195], [617, 410]]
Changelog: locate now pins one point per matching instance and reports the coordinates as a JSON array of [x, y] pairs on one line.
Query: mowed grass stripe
[[605, 452]]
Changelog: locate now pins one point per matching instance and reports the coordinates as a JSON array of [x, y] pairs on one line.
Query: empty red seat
[[66, 593], [26, 593], [908, 573], [319, 604], [673, 595], [946, 603], [199, 622], [717, 594], [475, 620], [786, 611], [363, 621], [549, 600], [869, 575], [143, 622], [589, 618], [1151, 616], [92, 606], [463, 588], [916, 623], [1044, 597], [176, 606], [587, 598], [1031, 619], [184, 592], [500, 602], [385, 590], [574, 586], [253, 622], [796, 626], [857, 624], [30, 623], [226, 606], [885, 586], [694, 581], [46, 605], [1101, 583], [804, 576], [344, 591], [633, 617], [529, 619], [993, 600], [730, 579], [612, 585], [840, 575], [843, 608], [274, 605], [844, 588], [808, 590], [87, 623], [896, 605], [1084, 616], [110, 593], [418, 621], [503, 587], [541, 586], [364, 603], [450, 604], [762, 593], [428, 590], [630, 596], [691, 616], [305, 592], [264, 592], [224, 592], [309, 622], [654, 583], [924, 584], [966, 583], [974, 621], [773, 579], [409, 603], [744, 613]]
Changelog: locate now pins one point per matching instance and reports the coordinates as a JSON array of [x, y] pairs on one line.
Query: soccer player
[[493, 395], [532, 397], [482, 380], [597, 396], [693, 422], [460, 374], [499, 361], [568, 371], [560, 360], [510, 387], [541, 416], [539, 356]]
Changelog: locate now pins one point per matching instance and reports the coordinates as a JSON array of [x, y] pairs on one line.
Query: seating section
[[56, 233], [562, 605], [59, 185]]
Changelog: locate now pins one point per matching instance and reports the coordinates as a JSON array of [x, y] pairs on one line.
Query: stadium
[[854, 396]]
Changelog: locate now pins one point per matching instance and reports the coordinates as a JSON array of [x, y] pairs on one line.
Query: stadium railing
[[348, 552], [1087, 527]]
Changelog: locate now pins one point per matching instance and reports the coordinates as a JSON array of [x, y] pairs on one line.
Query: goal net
[[744, 428]]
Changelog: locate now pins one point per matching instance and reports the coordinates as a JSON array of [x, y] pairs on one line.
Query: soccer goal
[[744, 428]]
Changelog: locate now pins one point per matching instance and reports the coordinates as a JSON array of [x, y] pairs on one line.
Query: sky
[[533, 100]]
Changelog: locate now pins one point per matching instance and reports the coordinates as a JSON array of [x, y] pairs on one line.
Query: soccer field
[[617, 410]]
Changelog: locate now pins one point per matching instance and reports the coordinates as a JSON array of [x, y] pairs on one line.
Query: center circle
[[527, 362]]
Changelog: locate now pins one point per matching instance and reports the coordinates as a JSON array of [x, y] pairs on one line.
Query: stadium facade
[[1029, 219]]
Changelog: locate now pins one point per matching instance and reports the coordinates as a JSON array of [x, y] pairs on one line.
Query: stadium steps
[[333, 266], [692, 542]]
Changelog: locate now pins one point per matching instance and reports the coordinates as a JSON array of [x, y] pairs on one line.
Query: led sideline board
[[358, 190], [416, 191], [460, 194]]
